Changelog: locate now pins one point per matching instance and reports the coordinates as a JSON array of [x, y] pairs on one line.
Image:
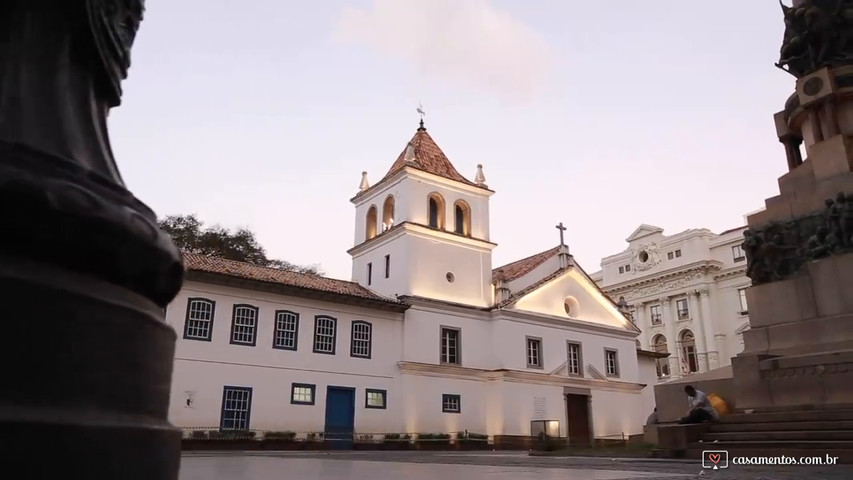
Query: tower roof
[[426, 156]]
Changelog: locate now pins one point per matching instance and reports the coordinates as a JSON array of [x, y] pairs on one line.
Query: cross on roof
[[562, 229]]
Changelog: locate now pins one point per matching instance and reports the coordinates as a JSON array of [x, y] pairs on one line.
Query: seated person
[[700, 407]]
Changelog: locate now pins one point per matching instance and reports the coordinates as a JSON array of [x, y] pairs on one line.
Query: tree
[[216, 241]]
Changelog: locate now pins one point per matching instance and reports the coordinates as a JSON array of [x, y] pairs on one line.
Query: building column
[[671, 343], [645, 341], [701, 335], [710, 334]]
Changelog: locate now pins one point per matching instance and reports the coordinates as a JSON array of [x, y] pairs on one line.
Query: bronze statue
[[56, 100], [817, 34], [85, 272]]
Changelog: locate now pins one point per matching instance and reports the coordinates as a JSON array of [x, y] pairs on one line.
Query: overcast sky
[[602, 114]]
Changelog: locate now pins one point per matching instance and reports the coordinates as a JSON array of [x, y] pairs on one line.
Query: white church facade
[[687, 294], [427, 338]]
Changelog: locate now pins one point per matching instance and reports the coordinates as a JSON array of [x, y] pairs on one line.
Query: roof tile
[[232, 268], [429, 158], [519, 268]]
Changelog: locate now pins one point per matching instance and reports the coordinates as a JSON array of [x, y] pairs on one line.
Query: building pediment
[[572, 295], [644, 231]]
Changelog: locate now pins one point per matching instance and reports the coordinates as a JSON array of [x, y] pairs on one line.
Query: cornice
[[701, 267], [665, 241], [733, 272], [564, 323], [424, 232], [516, 376]]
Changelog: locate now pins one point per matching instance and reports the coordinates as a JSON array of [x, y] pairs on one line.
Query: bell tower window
[[388, 213], [370, 230], [463, 218], [436, 211]]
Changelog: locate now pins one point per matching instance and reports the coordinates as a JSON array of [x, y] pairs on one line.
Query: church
[[427, 337]]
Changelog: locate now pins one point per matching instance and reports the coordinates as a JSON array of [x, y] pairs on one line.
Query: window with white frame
[[325, 330], [737, 253], [286, 330], [236, 408], [375, 398], [574, 361], [683, 311], [655, 315], [302, 394], [534, 352], [451, 403], [450, 345], [244, 325], [611, 363], [199, 322], [362, 333], [741, 293]]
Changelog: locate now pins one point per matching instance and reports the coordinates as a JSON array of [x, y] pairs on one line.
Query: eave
[[417, 228], [293, 291], [702, 266]]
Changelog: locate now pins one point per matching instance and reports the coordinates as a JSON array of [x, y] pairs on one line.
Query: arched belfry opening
[[462, 218], [436, 211], [388, 213], [370, 227]]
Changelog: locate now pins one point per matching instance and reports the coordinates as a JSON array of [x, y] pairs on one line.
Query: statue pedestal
[[799, 349]]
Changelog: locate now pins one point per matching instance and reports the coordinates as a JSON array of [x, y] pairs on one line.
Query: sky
[[602, 114]]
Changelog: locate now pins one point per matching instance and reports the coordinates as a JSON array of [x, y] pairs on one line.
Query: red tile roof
[[429, 158], [247, 271], [522, 267]]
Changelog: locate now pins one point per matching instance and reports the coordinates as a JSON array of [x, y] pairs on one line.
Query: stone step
[[782, 426], [793, 416], [786, 435], [845, 454], [775, 444]]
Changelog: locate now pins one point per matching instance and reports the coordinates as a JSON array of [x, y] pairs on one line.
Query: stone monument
[[85, 273], [799, 350]]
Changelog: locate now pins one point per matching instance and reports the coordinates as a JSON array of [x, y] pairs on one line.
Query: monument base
[[87, 369]]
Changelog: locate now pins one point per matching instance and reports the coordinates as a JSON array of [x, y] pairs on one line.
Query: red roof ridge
[[427, 157], [519, 268], [248, 271]]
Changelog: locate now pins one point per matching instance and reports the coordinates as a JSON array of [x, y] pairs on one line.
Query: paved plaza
[[471, 466]]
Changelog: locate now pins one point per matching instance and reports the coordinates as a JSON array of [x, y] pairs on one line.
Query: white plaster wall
[[271, 388], [593, 306], [422, 337], [511, 344], [205, 367], [519, 406], [429, 262], [615, 413], [648, 377], [422, 396], [399, 281], [726, 306]]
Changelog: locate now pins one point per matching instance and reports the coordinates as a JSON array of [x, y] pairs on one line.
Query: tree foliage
[[189, 235]]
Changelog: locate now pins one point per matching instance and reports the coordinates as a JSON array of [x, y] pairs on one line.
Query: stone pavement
[[351, 465]]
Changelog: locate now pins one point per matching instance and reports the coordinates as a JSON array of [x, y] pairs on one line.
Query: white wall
[[422, 341], [203, 368]]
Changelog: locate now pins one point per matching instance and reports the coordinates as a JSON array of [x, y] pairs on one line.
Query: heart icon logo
[[714, 457]]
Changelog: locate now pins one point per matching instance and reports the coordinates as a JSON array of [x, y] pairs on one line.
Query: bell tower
[[423, 229]]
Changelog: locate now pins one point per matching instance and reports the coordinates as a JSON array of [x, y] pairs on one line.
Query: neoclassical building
[[426, 338], [686, 293]]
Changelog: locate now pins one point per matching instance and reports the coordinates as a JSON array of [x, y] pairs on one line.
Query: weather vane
[[422, 113]]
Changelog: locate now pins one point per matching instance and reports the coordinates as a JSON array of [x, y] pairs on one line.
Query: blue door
[[340, 416]]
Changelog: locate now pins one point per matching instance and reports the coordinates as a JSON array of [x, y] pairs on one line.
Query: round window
[[644, 256], [449, 277], [572, 307]]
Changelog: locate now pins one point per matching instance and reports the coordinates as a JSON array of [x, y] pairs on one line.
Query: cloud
[[469, 42]]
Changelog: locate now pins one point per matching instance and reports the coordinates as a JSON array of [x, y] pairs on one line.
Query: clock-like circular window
[[450, 278], [644, 256]]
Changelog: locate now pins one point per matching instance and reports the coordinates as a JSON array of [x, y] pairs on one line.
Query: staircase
[[789, 432]]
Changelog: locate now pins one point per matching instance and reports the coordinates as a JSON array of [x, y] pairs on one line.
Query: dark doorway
[[577, 416], [340, 417]]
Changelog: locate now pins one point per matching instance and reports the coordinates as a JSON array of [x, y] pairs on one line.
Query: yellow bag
[[719, 404]]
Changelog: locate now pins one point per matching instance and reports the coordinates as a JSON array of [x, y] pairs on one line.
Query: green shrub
[[286, 435]]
